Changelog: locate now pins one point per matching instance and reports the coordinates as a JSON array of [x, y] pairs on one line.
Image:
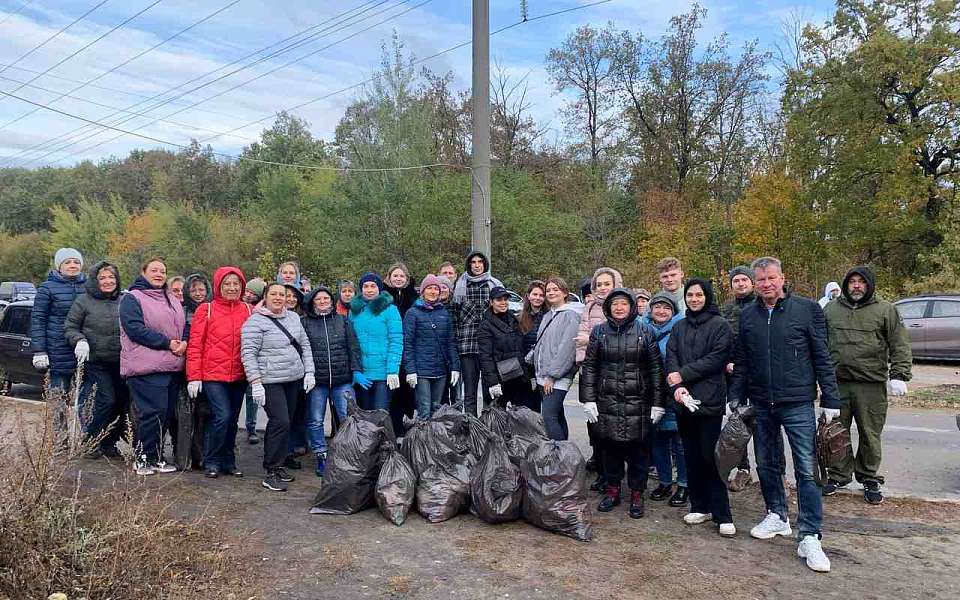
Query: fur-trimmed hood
[[377, 305]]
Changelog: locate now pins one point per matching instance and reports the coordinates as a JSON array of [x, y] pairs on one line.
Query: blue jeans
[[220, 437], [429, 393], [799, 421], [554, 419], [110, 403], [341, 395], [251, 415], [667, 454], [377, 397]]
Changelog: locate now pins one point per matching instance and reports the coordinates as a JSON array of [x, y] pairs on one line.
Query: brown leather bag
[[833, 447]]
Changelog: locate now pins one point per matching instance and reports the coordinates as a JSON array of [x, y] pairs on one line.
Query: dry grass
[[60, 534], [938, 396]]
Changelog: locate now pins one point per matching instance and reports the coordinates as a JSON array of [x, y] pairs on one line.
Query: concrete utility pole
[[480, 159]]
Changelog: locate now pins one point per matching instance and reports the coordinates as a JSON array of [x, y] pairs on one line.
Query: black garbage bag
[[377, 417], [414, 447], [554, 473], [496, 490], [524, 429], [496, 420], [734, 437], [396, 487], [353, 465], [443, 488]]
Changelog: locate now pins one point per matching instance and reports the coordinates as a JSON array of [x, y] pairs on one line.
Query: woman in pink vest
[[152, 349]]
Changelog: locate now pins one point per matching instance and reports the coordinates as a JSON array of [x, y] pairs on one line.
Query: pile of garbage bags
[[500, 467]]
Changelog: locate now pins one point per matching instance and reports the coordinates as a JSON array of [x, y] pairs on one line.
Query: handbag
[[509, 369], [833, 447]]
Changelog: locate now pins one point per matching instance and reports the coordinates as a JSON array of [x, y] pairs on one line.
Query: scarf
[[460, 290]]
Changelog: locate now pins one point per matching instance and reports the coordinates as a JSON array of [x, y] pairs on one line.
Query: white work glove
[[591, 412], [830, 413], [259, 394], [194, 388], [495, 391], [309, 382], [692, 404], [41, 362], [82, 351], [412, 380], [533, 384], [393, 381], [896, 387], [656, 413], [454, 377]]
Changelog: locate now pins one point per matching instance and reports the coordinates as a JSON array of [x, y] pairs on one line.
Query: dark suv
[[16, 353], [933, 321]]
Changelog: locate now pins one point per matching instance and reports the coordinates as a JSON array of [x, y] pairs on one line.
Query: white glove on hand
[[41, 362], [656, 413], [495, 391], [454, 377], [82, 351], [194, 388], [692, 404], [533, 384], [259, 394], [591, 412], [393, 381], [830, 413], [412, 380], [896, 387], [309, 382]]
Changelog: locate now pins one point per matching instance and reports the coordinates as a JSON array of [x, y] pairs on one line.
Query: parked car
[[933, 321], [515, 303], [11, 291], [16, 353]]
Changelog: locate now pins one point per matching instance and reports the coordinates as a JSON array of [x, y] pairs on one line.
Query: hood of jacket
[[833, 285], [617, 278], [311, 311], [263, 310], [218, 277], [93, 287], [867, 274], [377, 305], [483, 257], [710, 307], [661, 329], [616, 293], [188, 302]]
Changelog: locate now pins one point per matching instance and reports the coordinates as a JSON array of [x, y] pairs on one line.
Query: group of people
[[657, 372]]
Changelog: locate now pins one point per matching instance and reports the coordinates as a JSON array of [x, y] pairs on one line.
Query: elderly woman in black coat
[[699, 349], [622, 390]]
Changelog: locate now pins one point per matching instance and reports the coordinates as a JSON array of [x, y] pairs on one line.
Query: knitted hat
[[429, 280], [642, 293], [740, 270], [370, 276], [444, 281], [64, 254], [256, 286]]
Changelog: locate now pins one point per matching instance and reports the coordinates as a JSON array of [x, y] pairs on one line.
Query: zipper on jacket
[[769, 358], [326, 334]]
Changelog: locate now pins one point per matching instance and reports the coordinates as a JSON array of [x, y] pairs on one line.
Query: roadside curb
[[23, 400]]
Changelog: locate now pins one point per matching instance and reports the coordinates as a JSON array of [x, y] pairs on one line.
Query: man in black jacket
[[782, 349]]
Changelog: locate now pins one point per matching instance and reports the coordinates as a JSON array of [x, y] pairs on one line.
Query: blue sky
[[252, 24]]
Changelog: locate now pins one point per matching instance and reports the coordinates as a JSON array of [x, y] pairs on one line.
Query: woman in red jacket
[[213, 365]]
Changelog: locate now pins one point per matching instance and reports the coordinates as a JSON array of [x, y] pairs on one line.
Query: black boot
[[636, 504], [611, 498], [599, 484], [680, 497], [661, 493]]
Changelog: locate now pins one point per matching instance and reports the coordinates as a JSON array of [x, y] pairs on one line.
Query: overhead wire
[[274, 49], [237, 86], [294, 165], [127, 61]]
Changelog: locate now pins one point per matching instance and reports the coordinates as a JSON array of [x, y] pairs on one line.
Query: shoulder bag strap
[[293, 342]]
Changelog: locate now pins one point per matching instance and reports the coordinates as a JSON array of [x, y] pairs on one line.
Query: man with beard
[[869, 346]]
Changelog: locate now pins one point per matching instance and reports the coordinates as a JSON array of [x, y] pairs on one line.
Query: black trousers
[[708, 492], [470, 374], [280, 406], [637, 456]]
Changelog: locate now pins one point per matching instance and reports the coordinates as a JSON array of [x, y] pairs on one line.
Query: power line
[[55, 35], [248, 81], [366, 6], [314, 167], [127, 61], [23, 6], [114, 108]]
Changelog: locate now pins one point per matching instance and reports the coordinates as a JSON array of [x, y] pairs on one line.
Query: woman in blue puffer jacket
[[429, 348], [54, 298], [379, 329]]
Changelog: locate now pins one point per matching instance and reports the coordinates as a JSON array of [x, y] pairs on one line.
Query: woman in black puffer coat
[[699, 349], [623, 391]]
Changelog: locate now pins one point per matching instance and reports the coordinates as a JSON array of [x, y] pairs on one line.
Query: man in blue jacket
[[782, 349]]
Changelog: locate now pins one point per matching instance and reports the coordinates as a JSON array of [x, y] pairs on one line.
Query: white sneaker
[[141, 468], [771, 526], [695, 518], [162, 467], [811, 550], [727, 530]]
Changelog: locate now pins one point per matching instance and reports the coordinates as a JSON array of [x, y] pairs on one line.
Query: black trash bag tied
[[555, 477], [524, 429], [353, 466], [496, 489], [733, 440], [396, 487]]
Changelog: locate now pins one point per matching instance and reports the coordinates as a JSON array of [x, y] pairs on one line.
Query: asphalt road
[[921, 446]]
